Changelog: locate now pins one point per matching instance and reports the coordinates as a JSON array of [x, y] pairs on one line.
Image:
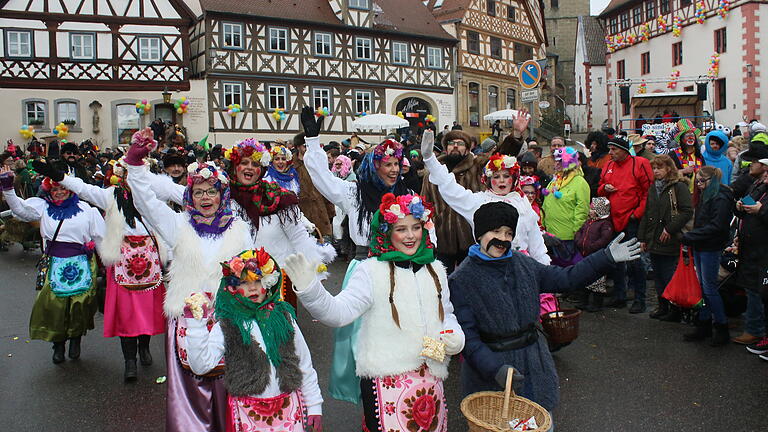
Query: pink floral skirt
[[284, 413], [410, 402], [132, 313]]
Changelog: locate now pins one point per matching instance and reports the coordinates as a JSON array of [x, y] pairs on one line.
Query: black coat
[[658, 216], [753, 247], [711, 223]]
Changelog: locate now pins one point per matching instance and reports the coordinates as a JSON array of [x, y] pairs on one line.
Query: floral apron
[[140, 268], [284, 413], [70, 276], [409, 402]]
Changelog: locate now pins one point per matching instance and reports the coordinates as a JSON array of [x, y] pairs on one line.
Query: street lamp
[[166, 95]]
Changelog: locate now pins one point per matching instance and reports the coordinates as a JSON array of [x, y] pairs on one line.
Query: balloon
[[144, 101], [179, 110], [61, 130], [400, 114]]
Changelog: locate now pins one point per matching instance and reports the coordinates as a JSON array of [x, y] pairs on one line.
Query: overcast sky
[[597, 6]]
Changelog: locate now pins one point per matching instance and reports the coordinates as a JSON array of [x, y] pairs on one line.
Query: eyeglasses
[[457, 143], [210, 192], [702, 180]]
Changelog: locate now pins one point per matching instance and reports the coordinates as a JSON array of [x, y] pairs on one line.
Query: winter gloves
[[427, 144], [518, 379], [6, 178], [311, 124], [302, 272], [621, 252]]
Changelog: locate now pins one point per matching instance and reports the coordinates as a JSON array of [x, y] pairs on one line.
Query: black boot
[[144, 355], [720, 336], [662, 310], [131, 372], [703, 330], [673, 315], [582, 299], [58, 352], [129, 347], [596, 305], [74, 348]]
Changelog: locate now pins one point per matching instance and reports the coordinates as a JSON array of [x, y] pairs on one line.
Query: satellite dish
[[544, 104]]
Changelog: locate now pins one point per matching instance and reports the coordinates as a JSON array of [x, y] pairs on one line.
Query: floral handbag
[[140, 268], [70, 276]]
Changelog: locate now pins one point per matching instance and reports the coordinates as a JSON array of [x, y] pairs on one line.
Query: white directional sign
[[529, 95]]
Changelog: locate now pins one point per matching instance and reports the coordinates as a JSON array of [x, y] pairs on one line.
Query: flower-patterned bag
[[70, 276], [140, 268], [45, 261]]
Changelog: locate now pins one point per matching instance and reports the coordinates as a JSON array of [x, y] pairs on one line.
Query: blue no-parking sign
[[530, 74]]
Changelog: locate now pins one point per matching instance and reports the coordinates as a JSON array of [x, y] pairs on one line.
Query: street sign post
[[529, 95], [530, 74]]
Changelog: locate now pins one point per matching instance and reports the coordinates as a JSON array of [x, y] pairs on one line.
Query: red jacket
[[631, 177]]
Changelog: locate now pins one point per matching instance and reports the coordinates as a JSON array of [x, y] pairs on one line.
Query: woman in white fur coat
[[133, 256], [206, 234], [408, 329]]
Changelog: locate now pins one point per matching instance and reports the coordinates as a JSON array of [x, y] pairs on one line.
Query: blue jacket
[[718, 158], [500, 297]]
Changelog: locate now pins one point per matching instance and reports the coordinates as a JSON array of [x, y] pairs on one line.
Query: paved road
[[625, 373]]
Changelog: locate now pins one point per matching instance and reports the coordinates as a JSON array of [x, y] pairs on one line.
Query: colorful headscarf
[[392, 209], [370, 187], [257, 151], [272, 315], [207, 172], [346, 167]]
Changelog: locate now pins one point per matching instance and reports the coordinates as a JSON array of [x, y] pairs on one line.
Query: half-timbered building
[[349, 56], [496, 37], [86, 63], [663, 47]]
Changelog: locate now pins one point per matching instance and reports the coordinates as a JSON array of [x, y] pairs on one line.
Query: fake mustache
[[506, 245]]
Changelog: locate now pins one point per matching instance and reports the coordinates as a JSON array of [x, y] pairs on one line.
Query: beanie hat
[[487, 144], [69, 147], [494, 215], [528, 159], [619, 143], [567, 158]]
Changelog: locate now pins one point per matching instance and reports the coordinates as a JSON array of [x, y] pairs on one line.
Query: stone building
[[562, 18]]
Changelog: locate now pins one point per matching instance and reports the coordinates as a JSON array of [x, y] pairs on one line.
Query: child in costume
[[269, 376], [408, 331], [594, 235]]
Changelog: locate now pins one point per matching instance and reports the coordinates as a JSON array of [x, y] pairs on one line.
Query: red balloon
[[421, 124]]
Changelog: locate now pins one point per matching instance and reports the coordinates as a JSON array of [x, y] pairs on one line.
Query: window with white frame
[[83, 46], [128, 122], [232, 93], [35, 112], [232, 35], [363, 101], [278, 39], [359, 4], [19, 43], [321, 98], [363, 48], [149, 49], [277, 97], [400, 53], [434, 57], [67, 113], [323, 44]]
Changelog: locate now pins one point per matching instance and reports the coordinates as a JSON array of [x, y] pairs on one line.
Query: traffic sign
[[530, 74], [529, 95]]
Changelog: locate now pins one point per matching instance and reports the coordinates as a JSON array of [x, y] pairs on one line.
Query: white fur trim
[[385, 349]]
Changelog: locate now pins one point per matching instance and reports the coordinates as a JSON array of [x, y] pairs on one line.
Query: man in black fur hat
[[71, 164]]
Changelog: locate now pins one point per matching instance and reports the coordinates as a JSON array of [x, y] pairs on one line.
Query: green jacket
[[565, 215], [658, 216]]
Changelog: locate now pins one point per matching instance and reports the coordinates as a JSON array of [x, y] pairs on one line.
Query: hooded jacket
[[631, 177], [596, 233], [717, 158], [659, 216]]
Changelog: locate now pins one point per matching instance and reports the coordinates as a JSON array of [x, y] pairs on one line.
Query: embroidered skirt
[[413, 401], [132, 313], [57, 318], [284, 413]]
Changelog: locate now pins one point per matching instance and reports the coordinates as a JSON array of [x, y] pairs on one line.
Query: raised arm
[[28, 210], [162, 218], [301, 241], [95, 195], [461, 200], [166, 190], [333, 311], [331, 187], [204, 349]]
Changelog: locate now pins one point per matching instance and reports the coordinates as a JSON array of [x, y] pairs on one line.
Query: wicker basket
[[561, 326], [491, 411]]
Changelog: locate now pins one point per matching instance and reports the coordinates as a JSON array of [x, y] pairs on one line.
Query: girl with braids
[[407, 327], [133, 256], [269, 375]]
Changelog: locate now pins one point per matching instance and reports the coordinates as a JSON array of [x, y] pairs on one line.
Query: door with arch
[[415, 110]]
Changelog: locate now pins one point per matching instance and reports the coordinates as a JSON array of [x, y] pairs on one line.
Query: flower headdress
[[251, 266], [257, 151], [530, 181], [273, 316], [394, 208], [49, 184], [283, 150], [499, 162], [388, 148], [205, 171]]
